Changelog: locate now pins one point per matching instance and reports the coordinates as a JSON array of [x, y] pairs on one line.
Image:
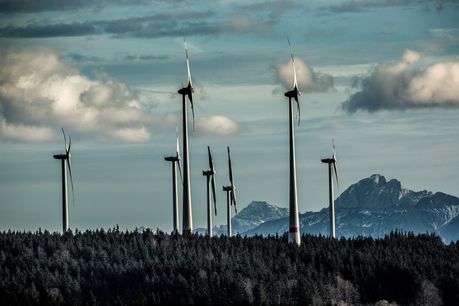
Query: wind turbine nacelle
[[61, 156], [171, 158], [328, 160], [228, 188], [186, 90], [292, 94], [208, 172]]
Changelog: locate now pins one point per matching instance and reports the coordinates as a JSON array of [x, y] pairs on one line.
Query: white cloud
[[308, 79], [40, 92], [402, 85], [438, 84], [25, 133], [219, 125], [132, 134]]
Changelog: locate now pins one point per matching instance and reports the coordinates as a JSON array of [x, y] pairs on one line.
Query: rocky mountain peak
[[377, 179], [375, 191], [262, 209]]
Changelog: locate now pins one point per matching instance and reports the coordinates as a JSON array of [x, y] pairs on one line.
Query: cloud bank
[[308, 79], [401, 85], [40, 93]]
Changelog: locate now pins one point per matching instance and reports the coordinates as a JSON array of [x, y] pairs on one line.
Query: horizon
[[379, 79]]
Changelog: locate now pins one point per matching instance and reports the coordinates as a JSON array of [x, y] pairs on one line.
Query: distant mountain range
[[371, 207]]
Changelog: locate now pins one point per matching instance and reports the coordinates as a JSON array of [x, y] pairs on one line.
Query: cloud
[[349, 6], [132, 134], [308, 79], [258, 18], [175, 24], [400, 85], [28, 6], [53, 30], [25, 133], [39, 93], [219, 125]]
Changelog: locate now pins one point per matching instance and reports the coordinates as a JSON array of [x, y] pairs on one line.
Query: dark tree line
[[113, 267]]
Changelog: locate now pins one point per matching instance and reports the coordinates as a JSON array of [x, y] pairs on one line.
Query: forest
[[116, 267]]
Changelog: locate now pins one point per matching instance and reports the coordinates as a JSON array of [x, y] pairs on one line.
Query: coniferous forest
[[114, 267]]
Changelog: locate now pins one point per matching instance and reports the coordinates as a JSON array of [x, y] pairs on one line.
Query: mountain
[[251, 216], [375, 207]]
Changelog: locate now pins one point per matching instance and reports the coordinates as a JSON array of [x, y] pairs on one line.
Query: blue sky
[[380, 77]]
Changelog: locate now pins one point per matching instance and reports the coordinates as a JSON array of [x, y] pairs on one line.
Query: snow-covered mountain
[[373, 207], [256, 213]]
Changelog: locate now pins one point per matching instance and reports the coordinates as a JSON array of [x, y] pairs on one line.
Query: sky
[[381, 78]]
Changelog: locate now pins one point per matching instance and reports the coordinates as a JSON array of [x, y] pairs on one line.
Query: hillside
[[251, 216], [123, 268]]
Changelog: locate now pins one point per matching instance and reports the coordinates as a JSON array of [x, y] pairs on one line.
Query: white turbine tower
[[294, 224], [230, 195], [187, 91], [175, 160], [65, 163], [210, 175], [331, 204]]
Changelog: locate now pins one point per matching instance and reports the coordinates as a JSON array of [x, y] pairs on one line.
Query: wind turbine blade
[[190, 97], [299, 110], [211, 162], [178, 146], [233, 199], [70, 146], [336, 177], [212, 168], [295, 83], [178, 156], [180, 170], [187, 64], [213, 193], [71, 180], [65, 139], [229, 167], [334, 148]]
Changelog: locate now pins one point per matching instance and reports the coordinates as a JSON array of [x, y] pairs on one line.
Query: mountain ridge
[[373, 207]]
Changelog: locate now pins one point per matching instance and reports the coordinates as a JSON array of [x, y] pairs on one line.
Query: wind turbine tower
[[230, 195], [175, 160], [187, 91], [210, 175], [331, 161], [65, 163], [294, 226]]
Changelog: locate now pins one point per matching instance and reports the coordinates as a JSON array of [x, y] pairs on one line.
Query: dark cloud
[[350, 6], [131, 57], [15, 6], [55, 30], [84, 58], [161, 25], [399, 85], [32, 6]]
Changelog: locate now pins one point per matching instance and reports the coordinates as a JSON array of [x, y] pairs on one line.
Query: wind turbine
[[294, 226], [65, 162], [210, 175], [331, 204], [188, 90], [174, 161], [230, 194]]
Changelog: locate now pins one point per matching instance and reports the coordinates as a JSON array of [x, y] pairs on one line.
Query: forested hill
[[147, 268]]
